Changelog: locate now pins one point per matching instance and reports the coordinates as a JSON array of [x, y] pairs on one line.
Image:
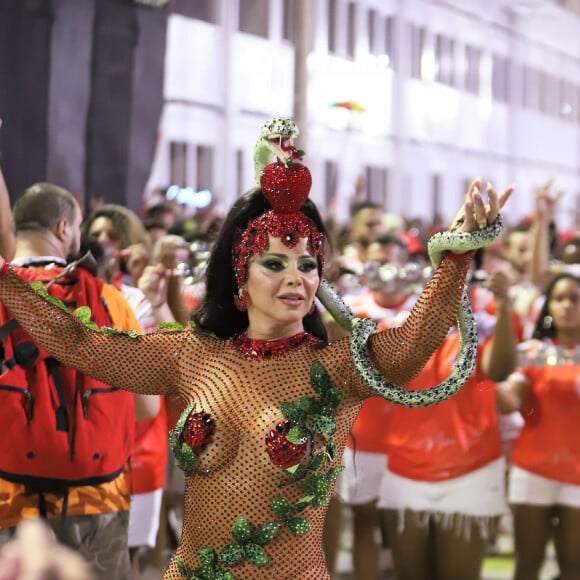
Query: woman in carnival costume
[[268, 402]]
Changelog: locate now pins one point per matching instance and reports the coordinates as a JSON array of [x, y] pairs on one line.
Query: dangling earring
[[241, 300], [547, 322]]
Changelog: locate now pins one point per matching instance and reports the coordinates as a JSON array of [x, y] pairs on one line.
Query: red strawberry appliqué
[[286, 187], [198, 431], [283, 453]]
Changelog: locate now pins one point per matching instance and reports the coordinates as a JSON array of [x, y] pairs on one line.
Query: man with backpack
[[67, 437]]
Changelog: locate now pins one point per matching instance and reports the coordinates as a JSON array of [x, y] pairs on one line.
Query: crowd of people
[[431, 486], [263, 378]]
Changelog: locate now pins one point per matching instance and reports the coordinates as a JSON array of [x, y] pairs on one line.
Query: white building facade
[[451, 89]]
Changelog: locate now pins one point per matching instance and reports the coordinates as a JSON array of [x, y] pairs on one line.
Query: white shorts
[[360, 482], [480, 493], [144, 518], [530, 488]]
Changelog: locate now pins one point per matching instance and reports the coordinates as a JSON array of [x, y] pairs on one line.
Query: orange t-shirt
[[460, 434], [452, 438], [369, 430], [548, 442]]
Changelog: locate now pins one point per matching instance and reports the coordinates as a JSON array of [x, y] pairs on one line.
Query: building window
[[205, 10], [240, 164], [254, 16], [499, 78], [417, 38], [376, 179], [436, 197], [566, 103], [351, 31], [472, 69], [288, 20], [204, 164], [372, 32], [330, 183], [390, 40], [531, 88], [553, 95], [332, 18], [515, 76], [444, 60], [543, 92], [178, 163]]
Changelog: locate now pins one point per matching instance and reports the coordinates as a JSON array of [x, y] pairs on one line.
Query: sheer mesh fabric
[[235, 476]]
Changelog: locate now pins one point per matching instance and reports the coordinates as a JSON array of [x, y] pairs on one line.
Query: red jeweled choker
[[255, 349]]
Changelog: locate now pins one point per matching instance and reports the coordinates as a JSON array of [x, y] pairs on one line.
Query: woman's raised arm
[[401, 353], [145, 364]]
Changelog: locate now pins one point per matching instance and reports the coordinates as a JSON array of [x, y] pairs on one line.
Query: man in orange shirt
[[93, 519]]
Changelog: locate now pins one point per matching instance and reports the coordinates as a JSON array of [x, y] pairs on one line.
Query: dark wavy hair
[[217, 312], [543, 330]]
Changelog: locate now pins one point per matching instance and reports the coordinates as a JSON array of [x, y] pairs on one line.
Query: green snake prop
[[361, 329], [273, 136]]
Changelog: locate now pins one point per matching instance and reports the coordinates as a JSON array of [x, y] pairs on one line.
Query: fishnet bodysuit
[[243, 397]]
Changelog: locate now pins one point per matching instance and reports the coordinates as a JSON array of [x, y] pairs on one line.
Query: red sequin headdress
[[285, 183]]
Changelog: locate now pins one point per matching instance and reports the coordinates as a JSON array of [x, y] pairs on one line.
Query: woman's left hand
[[475, 214]]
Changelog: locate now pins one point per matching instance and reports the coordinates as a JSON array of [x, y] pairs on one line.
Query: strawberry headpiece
[[285, 183]]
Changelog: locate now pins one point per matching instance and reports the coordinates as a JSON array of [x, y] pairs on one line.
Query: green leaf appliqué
[[281, 506], [299, 526], [207, 556], [265, 533], [319, 378], [297, 435], [241, 530], [255, 554], [182, 568], [231, 554]]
